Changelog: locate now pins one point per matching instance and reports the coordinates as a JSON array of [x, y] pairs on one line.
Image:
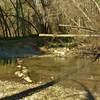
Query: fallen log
[[69, 35]]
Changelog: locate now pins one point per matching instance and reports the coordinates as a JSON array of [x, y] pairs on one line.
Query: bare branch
[[78, 6], [97, 5]]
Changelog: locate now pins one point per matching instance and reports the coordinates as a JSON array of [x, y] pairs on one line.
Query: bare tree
[[25, 17]]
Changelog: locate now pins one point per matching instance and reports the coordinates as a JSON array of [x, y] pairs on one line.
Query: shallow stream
[[43, 69]]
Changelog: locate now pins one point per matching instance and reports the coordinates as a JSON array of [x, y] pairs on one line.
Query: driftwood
[[69, 35]]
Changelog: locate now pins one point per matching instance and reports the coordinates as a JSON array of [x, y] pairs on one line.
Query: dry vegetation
[[24, 17]]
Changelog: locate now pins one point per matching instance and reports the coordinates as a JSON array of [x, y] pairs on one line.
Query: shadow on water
[[96, 57], [7, 61]]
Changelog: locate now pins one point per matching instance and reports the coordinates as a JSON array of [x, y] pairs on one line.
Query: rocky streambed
[[79, 51], [56, 92]]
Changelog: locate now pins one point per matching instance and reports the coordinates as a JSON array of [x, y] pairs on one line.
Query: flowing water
[[42, 69]]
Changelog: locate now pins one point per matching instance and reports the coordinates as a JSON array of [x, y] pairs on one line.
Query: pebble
[[18, 66], [56, 92], [27, 78], [52, 77]]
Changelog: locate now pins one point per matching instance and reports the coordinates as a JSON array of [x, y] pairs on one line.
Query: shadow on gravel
[[30, 91], [89, 95]]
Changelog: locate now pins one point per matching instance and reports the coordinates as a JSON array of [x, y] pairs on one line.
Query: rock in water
[[27, 78]]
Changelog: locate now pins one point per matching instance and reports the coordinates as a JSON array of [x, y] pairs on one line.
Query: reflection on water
[[42, 69], [7, 61]]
